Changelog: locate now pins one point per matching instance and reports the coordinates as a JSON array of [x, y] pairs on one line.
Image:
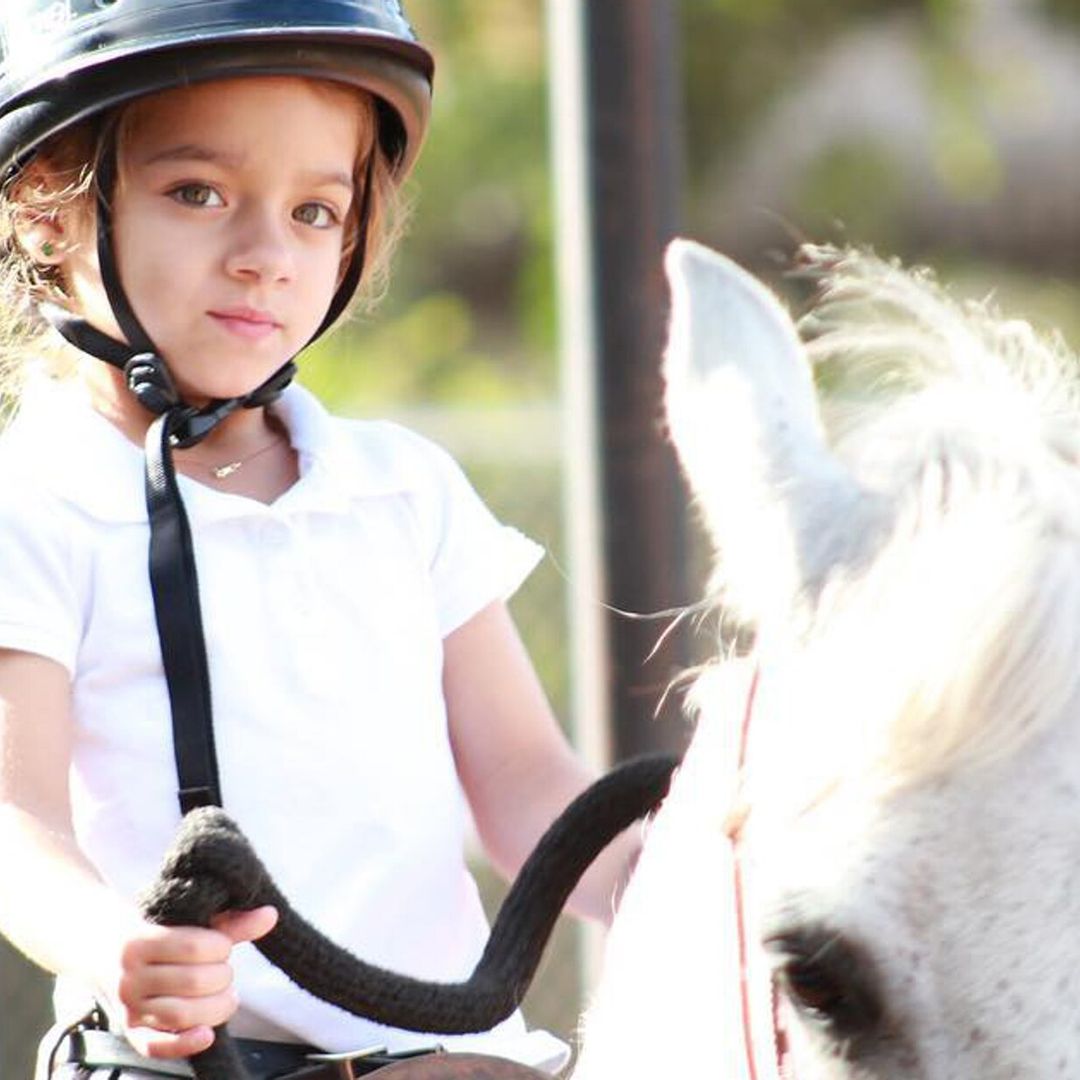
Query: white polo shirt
[[324, 615]]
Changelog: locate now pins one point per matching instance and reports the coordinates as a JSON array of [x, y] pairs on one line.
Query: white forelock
[[960, 633]]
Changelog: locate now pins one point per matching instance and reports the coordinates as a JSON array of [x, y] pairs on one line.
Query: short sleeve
[[475, 558], [39, 610]]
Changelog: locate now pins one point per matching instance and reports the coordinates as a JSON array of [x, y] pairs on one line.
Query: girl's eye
[[197, 195], [318, 215]]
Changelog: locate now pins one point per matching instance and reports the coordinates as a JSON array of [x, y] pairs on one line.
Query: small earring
[[48, 249]]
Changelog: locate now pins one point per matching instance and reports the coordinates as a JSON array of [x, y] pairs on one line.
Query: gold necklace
[[230, 467]]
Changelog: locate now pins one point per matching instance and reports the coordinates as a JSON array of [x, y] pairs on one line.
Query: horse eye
[[812, 988], [828, 980]]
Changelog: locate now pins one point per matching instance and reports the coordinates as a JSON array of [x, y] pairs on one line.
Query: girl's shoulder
[[58, 452], [29, 506], [397, 448], [370, 456], [24, 454], [390, 458]]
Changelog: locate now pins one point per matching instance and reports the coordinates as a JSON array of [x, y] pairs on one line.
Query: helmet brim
[[396, 73]]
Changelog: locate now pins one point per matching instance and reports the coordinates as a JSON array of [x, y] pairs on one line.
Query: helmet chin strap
[[149, 380], [173, 578]]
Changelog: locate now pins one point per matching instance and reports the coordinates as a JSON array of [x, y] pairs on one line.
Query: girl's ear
[[44, 221], [42, 237]]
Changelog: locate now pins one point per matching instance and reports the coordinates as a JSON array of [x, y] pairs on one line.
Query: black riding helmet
[[64, 61]]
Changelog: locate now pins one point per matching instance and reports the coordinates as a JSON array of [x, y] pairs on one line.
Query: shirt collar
[[67, 447]]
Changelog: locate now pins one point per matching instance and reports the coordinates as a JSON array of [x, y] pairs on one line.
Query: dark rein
[[212, 868]]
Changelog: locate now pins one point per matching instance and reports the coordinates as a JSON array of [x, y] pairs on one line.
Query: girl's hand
[[175, 983], [168, 986]]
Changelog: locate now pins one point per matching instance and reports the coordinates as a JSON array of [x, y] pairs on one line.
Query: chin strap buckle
[[149, 380], [188, 426]]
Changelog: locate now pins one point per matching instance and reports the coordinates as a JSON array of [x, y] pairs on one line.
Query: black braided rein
[[212, 868]]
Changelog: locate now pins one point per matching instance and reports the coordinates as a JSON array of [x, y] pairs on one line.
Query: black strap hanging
[[175, 587]]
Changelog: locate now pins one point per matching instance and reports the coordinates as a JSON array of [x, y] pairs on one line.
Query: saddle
[[459, 1067], [104, 1055]]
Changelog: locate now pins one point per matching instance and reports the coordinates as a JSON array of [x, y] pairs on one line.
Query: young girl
[[193, 192]]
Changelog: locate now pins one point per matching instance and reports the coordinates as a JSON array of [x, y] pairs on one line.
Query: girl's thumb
[[246, 925]]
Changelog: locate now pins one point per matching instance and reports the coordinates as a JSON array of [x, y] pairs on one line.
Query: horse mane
[[959, 632]]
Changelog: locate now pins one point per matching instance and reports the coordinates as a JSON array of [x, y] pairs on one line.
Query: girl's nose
[[260, 248]]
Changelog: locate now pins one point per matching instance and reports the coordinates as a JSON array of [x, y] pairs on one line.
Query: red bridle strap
[[773, 1065]]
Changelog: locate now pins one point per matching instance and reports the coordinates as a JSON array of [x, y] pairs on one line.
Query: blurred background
[[946, 132]]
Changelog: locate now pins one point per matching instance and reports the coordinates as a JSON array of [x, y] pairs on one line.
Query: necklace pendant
[[221, 471]]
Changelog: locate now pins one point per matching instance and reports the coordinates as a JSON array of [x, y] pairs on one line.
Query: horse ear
[[743, 415]]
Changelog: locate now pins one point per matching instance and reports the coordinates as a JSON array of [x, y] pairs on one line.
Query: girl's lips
[[246, 323]]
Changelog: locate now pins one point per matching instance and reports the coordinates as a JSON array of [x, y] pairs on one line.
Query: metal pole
[[577, 342], [617, 160], [608, 653], [586, 587], [635, 171]]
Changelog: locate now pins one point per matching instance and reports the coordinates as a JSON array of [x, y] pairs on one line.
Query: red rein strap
[[778, 1065]]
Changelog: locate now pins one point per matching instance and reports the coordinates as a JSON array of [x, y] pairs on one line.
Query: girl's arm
[[518, 771], [173, 985]]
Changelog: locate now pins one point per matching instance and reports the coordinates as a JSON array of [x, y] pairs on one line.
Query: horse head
[[869, 865]]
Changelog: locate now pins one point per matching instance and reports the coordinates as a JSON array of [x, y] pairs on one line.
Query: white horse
[[888, 885]]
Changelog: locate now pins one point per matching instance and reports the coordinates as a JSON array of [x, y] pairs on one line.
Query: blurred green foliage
[[469, 317], [739, 56], [990, 111], [470, 314]]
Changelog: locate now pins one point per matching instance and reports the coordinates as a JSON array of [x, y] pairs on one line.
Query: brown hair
[[61, 182]]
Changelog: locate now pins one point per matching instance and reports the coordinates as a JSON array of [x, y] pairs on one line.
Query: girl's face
[[229, 222]]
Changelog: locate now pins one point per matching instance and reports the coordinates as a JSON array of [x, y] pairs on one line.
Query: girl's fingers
[[169, 1015], [166, 1044], [198, 945], [176, 984], [177, 980], [177, 945]]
